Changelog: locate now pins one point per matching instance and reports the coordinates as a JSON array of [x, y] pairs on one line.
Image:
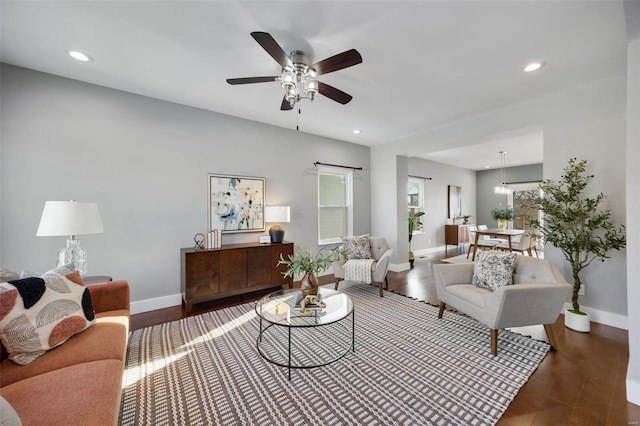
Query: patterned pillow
[[357, 247], [40, 313], [493, 269]]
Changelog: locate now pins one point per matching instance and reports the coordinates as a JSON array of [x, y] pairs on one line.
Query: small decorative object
[[236, 203], [466, 218], [199, 240], [312, 301], [414, 219], [573, 223], [265, 239], [276, 215], [214, 239], [70, 218], [307, 264], [502, 216]]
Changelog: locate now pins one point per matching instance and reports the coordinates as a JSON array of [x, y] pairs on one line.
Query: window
[[415, 190], [335, 215]]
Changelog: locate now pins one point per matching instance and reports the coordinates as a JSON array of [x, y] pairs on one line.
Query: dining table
[[496, 233]]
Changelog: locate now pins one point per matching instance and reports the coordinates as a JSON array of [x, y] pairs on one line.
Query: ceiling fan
[[298, 77]]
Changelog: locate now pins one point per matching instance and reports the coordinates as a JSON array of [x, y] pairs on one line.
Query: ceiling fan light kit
[[298, 78]]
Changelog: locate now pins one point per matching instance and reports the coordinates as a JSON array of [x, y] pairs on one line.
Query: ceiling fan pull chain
[[298, 119]]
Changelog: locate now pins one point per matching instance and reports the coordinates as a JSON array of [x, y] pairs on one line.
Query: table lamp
[[70, 218], [276, 215]]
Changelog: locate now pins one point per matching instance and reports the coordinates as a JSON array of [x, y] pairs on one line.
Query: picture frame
[[455, 202], [235, 203]]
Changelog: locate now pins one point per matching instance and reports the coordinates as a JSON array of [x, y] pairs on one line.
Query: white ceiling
[[425, 64]]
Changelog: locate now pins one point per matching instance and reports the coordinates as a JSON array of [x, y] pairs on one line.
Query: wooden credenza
[[455, 235], [231, 270]]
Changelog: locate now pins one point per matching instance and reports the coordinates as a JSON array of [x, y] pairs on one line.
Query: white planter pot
[[577, 322]]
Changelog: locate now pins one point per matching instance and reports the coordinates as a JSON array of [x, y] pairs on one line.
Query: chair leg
[[469, 251], [441, 310], [380, 288], [494, 342], [386, 283], [337, 281], [548, 328]]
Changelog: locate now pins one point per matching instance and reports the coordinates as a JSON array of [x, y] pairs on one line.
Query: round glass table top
[[283, 307]]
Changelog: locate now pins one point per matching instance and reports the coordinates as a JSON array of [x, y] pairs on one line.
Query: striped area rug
[[408, 368]]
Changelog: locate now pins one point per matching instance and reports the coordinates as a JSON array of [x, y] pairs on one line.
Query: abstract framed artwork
[[235, 203]]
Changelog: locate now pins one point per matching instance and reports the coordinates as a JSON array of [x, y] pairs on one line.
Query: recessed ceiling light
[[533, 66], [80, 56], [487, 167], [356, 132]]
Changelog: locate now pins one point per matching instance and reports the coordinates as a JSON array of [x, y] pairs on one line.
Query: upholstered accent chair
[[536, 296], [381, 255]]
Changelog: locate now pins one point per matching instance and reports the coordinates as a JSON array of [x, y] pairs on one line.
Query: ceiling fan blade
[[286, 106], [333, 93], [337, 62], [248, 80], [272, 47]]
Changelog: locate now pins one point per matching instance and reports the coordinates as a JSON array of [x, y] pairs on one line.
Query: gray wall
[[486, 180], [436, 198], [145, 163]]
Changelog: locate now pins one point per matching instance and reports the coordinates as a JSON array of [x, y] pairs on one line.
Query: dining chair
[[482, 242], [521, 246], [489, 237]]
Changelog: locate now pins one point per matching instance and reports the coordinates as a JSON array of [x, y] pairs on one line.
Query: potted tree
[[414, 219], [502, 216], [574, 223]]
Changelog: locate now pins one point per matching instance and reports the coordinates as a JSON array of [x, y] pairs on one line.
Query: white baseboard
[[423, 252], [156, 303], [633, 392], [603, 317], [399, 267]]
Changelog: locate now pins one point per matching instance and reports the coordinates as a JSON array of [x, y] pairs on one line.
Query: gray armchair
[[536, 297], [381, 252]]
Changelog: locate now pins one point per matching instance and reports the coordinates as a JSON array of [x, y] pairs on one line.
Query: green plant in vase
[[414, 220], [304, 263], [502, 216]]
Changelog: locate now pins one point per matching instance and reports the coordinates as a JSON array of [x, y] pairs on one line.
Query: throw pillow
[[40, 313], [8, 416], [493, 269], [357, 247]]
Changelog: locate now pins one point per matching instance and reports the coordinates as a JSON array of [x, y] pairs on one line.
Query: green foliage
[[574, 223], [506, 214], [303, 261], [414, 219]]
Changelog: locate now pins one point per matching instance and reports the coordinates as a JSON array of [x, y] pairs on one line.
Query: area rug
[[408, 368], [458, 259]]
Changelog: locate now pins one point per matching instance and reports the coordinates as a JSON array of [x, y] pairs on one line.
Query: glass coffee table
[[316, 336]]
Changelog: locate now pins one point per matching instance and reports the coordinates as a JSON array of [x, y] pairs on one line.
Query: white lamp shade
[[69, 218], [276, 214]]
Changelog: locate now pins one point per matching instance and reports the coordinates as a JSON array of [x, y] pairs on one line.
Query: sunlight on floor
[[136, 373]]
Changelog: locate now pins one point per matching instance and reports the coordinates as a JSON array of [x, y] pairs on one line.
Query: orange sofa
[[80, 381]]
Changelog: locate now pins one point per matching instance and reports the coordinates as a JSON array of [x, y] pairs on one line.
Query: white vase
[[502, 224], [577, 322]]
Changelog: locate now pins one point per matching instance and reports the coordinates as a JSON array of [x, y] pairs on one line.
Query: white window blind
[[334, 205]]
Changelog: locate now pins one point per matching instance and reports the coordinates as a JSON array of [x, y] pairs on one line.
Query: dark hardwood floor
[[583, 383]]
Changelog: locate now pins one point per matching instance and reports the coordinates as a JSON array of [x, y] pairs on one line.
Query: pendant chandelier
[[502, 188]]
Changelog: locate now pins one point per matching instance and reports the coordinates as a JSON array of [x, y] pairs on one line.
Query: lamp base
[[73, 253], [277, 235]]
